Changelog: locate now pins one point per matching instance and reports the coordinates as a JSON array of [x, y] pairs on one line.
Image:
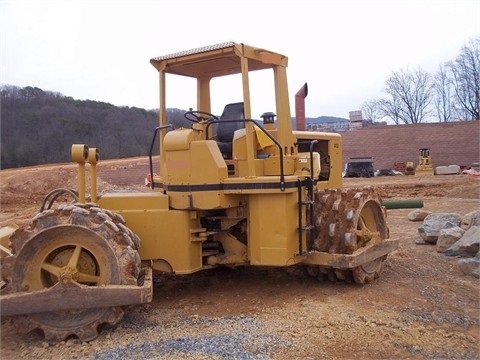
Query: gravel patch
[[232, 337]]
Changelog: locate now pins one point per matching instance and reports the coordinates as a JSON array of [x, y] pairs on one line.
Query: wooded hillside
[[39, 127]]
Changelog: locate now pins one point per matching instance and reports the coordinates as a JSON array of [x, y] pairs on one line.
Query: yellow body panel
[[242, 168], [273, 229], [134, 201], [165, 234], [271, 165], [329, 144], [201, 165]]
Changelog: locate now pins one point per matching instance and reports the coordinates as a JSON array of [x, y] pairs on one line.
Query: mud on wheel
[[347, 220], [80, 243]]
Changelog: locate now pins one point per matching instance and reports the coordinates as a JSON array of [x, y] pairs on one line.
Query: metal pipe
[[79, 155], [150, 153], [92, 160], [300, 107], [403, 204]]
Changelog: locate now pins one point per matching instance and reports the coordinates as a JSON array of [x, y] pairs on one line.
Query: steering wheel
[[199, 116]]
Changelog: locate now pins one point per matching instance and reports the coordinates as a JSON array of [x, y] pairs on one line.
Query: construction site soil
[[421, 307]]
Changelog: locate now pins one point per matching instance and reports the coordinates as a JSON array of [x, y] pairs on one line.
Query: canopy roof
[[217, 60]]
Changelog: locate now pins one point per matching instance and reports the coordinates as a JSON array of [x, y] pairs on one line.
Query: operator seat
[[225, 130]]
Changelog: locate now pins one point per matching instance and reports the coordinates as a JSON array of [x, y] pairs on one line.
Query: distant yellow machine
[[424, 166], [231, 191]]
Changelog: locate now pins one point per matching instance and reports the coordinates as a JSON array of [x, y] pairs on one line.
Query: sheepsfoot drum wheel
[[75, 244], [345, 222], [368, 272]]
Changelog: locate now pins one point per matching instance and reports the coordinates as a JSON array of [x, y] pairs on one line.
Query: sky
[[345, 50]]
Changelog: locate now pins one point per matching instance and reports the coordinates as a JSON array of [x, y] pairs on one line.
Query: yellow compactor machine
[[231, 191]]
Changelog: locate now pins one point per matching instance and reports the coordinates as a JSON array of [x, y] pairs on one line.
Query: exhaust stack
[[300, 107]]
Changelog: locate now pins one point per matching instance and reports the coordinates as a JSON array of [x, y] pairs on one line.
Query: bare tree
[[372, 110], [444, 95], [466, 80], [391, 108], [410, 96]]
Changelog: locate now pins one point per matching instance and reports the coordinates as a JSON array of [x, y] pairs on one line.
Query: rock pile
[[453, 235]]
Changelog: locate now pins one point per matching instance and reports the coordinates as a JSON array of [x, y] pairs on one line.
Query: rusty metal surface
[[351, 240], [360, 257], [71, 295]]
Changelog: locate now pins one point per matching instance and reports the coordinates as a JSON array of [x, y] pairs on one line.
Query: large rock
[[433, 223], [448, 237], [471, 266], [470, 219], [417, 215], [468, 245]]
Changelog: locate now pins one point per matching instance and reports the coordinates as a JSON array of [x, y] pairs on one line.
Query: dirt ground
[[421, 307]]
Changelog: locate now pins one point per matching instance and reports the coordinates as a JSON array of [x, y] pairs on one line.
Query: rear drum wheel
[[368, 272], [346, 221], [370, 229], [80, 243]]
